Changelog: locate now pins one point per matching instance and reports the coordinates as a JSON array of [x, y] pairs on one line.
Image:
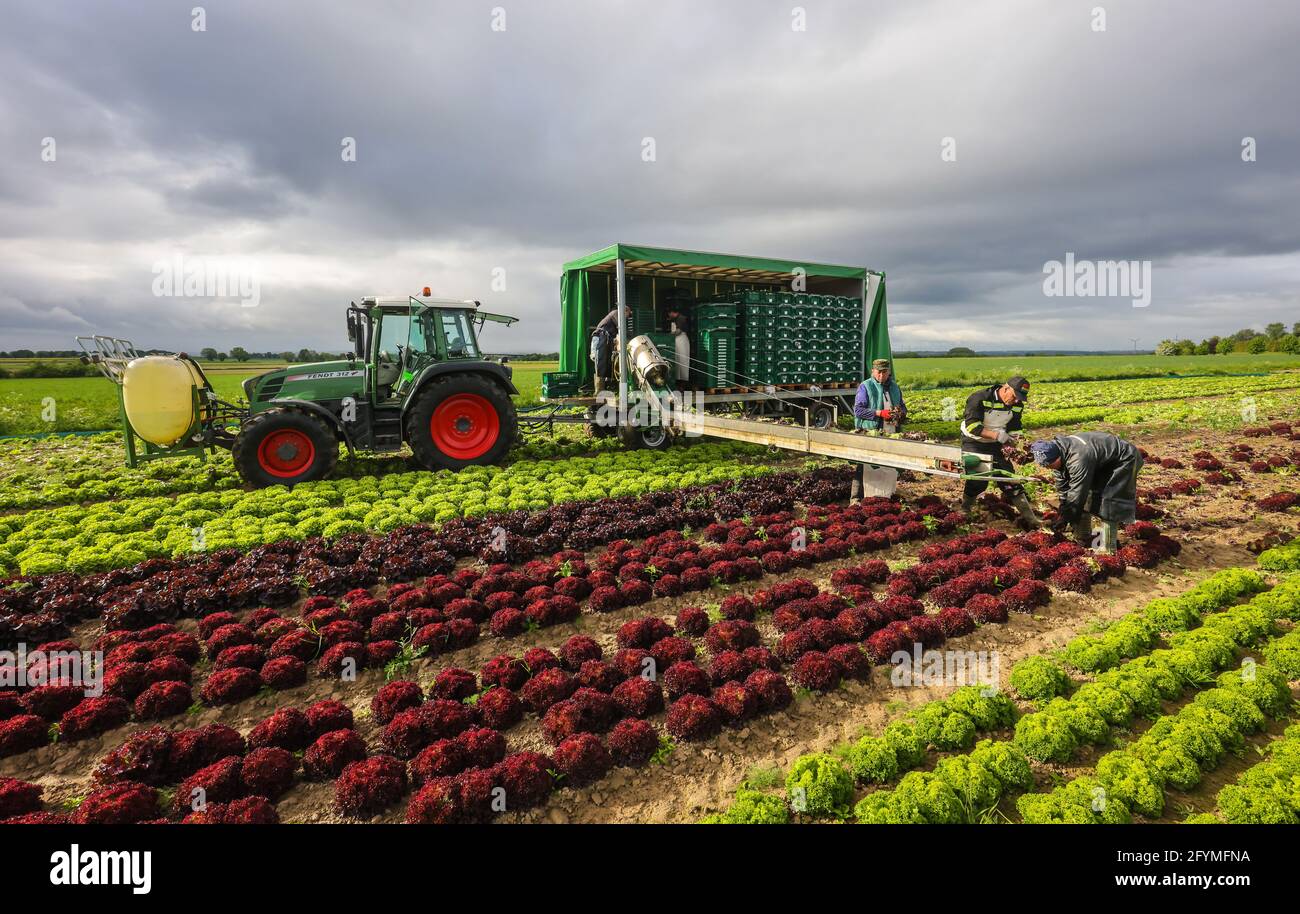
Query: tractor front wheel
[[461, 420], [285, 447]]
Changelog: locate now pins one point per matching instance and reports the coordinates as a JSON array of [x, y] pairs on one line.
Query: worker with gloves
[[992, 416], [1096, 474], [879, 404], [878, 409], [603, 340]]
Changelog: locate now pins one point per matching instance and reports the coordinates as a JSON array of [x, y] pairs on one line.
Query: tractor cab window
[[421, 344], [460, 338], [394, 330]]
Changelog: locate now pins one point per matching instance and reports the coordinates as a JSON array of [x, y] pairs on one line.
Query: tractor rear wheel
[[285, 447], [461, 420]]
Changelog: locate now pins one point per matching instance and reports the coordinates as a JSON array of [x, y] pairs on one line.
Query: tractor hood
[[314, 381]]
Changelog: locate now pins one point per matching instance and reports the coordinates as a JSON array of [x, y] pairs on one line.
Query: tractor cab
[[400, 339]]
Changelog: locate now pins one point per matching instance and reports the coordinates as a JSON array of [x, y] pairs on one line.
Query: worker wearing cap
[[1096, 474], [603, 339], [992, 416], [879, 404], [878, 408]]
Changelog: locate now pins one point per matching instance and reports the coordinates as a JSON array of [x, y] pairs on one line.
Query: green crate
[[718, 358], [557, 384]]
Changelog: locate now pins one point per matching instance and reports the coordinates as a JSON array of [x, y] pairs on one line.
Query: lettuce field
[[710, 633]]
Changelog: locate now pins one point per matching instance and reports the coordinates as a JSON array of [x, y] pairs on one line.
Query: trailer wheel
[[822, 416], [651, 437], [285, 447], [460, 420]]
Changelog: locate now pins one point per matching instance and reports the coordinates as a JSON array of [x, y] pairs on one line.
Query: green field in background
[[984, 370]]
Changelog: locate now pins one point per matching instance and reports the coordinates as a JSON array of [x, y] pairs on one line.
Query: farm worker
[[879, 409], [1096, 474], [679, 323], [603, 340], [879, 404], [992, 415]]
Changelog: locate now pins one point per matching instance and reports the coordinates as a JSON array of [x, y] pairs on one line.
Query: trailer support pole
[[620, 268]]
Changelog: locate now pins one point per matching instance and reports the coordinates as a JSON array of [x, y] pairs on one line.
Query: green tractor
[[415, 376]]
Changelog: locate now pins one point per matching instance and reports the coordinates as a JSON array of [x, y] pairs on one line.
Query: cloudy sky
[[129, 139]]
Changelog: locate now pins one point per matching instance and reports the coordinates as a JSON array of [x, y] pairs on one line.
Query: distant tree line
[[1275, 338]]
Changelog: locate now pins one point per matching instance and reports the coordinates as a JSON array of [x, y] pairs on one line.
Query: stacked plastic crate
[[797, 339], [714, 365], [757, 345]]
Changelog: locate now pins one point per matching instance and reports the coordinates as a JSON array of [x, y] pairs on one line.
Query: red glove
[[884, 414]]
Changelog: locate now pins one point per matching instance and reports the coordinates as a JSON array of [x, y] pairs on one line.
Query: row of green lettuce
[[1267, 793], [119, 534], [83, 469], [1175, 751]]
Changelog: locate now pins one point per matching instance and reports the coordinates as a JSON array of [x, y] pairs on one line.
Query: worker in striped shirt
[[992, 416]]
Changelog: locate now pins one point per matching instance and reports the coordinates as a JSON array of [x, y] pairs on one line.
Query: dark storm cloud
[[520, 149]]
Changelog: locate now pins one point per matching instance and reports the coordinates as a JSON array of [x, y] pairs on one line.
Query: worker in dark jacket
[[878, 409], [1096, 474], [603, 340], [992, 416]]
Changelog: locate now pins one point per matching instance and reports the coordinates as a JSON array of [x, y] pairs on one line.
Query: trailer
[[646, 279]]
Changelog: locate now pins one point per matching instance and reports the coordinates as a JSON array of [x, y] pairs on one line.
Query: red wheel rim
[[465, 426], [285, 453]]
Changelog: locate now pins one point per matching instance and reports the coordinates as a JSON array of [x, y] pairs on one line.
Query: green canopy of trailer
[[577, 293], [702, 264]]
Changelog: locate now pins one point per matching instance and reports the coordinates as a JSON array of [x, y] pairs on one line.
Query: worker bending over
[[878, 409], [603, 340], [992, 416], [1096, 474]]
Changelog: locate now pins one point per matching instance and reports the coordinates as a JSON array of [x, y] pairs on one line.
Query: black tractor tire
[[285, 447], [461, 420], [821, 416], [595, 430]]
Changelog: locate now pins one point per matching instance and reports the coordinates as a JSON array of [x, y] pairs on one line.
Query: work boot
[[1020, 501], [855, 494], [968, 504], [1081, 530]]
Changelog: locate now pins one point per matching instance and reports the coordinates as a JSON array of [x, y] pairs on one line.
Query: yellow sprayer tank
[[158, 395]]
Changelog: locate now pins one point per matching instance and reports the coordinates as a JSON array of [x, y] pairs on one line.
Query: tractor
[[415, 376]]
